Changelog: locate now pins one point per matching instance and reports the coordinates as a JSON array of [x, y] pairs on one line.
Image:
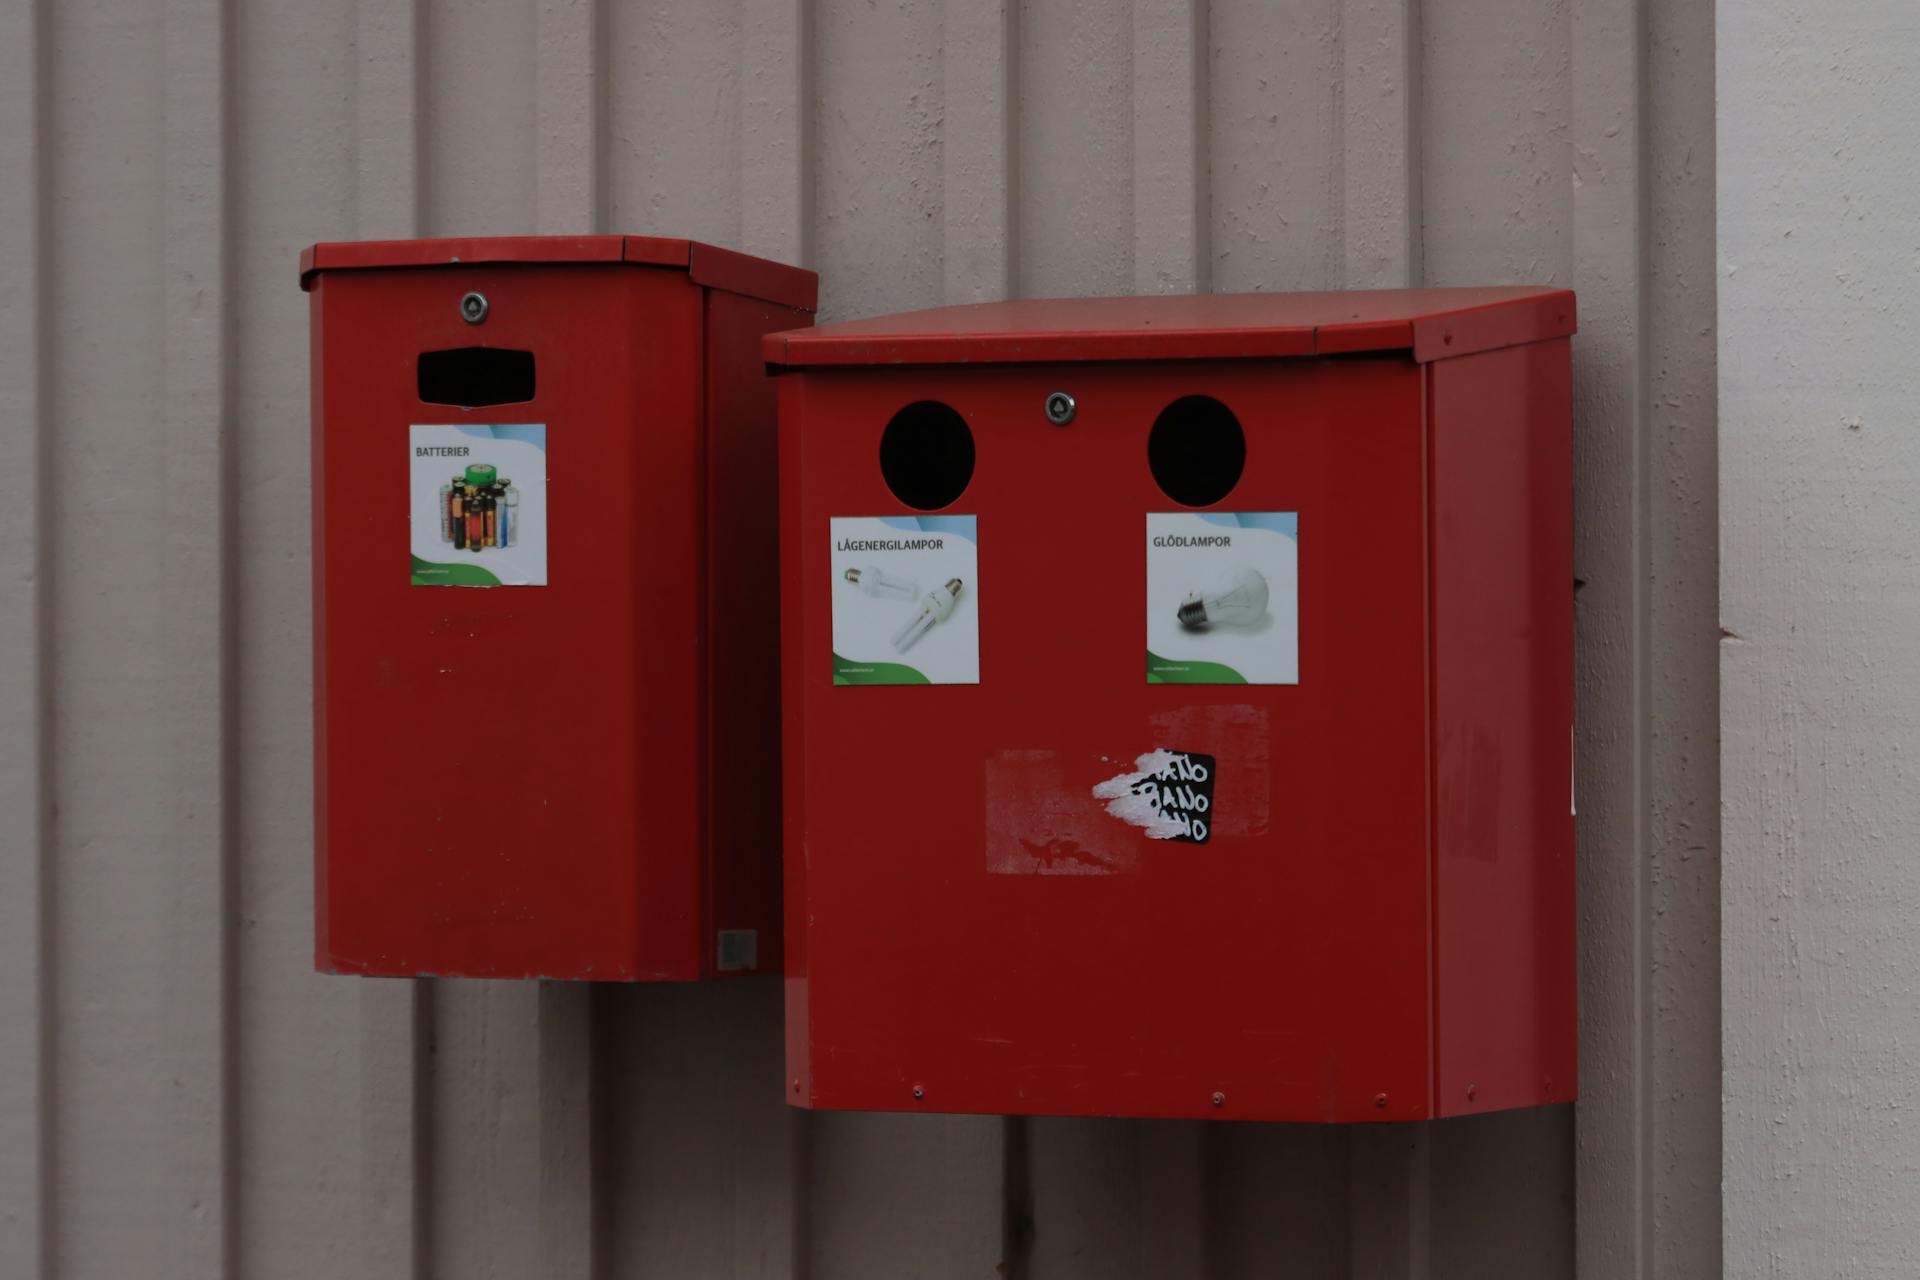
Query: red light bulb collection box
[[1178, 706], [543, 537]]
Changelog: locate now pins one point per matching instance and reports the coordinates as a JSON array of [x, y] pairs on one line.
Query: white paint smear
[[1038, 826], [1141, 808]]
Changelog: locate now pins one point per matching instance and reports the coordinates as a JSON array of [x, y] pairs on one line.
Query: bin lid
[[1432, 324], [705, 264]]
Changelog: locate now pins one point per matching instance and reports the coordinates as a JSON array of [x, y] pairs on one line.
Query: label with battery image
[[906, 600], [478, 504]]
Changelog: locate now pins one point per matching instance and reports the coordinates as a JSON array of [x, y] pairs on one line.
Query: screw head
[[1380, 1101], [918, 1092], [1060, 408], [473, 307], [1219, 1099], [1473, 1091]]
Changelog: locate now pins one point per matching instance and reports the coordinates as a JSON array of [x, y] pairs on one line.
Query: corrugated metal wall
[[181, 1096]]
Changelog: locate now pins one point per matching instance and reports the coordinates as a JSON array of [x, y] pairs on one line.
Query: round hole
[[1197, 451], [926, 455]]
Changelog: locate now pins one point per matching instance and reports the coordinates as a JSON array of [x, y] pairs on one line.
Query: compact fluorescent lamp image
[[935, 608], [1237, 599], [883, 586]]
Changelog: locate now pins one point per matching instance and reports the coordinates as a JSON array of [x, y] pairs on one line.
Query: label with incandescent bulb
[[906, 600], [1223, 597]]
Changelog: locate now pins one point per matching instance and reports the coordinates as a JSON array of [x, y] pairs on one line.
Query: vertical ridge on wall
[[676, 104], [493, 1200], [389, 117], [393, 1157], [334, 1181], [567, 1107], [1389, 1221], [137, 734], [570, 95], [1683, 609], [1379, 161], [1117, 1199], [1274, 145], [978, 192], [196, 582], [1075, 152], [877, 161], [703, 1168], [1276, 1201], [776, 130], [1172, 204], [1496, 177], [25, 872], [200, 410], [1612, 553], [571, 63], [892, 1194], [481, 111]]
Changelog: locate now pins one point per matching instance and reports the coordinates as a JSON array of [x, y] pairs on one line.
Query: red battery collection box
[[543, 539], [1178, 706]]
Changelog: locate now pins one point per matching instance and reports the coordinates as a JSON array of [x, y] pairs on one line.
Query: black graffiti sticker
[[1167, 794]]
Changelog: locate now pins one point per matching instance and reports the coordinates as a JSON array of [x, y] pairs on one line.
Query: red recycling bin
[[1178, 706], [543, 528]]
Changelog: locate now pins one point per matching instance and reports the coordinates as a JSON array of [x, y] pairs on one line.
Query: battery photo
[[478, 505]]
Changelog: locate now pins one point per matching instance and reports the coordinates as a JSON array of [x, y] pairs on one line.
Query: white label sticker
[[1223, 598], [906, 600], [477, 505]]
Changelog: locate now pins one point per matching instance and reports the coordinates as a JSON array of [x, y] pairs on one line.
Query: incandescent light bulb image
[[1238, 598], [935, 608], [883, 586]]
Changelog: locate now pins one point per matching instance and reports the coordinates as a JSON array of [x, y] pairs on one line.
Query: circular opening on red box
[[1197, 451], [926, 455]]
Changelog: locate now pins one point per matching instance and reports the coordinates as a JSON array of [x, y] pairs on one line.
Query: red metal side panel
[[1453, 334], [791, 628], [966, 919], [322, 750], [743, 592], [508, 778], [794, 288], [1503, 722]]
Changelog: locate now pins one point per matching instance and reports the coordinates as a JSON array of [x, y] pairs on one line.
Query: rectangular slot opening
[[473, 376]]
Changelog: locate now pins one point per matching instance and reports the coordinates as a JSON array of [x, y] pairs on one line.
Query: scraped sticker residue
[[1040, 824], [1168, 794]]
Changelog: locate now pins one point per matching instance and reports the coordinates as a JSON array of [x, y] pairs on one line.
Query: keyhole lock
[[1060, 408], [473, 307]]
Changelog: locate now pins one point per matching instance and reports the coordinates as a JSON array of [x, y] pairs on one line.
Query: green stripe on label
[[1166, 671], [846, 671], [428, 574]]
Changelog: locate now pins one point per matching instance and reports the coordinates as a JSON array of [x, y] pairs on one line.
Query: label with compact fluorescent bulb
[[1223, 597], [906, 600]]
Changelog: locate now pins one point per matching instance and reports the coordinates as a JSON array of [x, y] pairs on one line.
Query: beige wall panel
[[1820, 605], [210, 1106], [674, 115], [699, 1155], [1275, 145], [877, 130]]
